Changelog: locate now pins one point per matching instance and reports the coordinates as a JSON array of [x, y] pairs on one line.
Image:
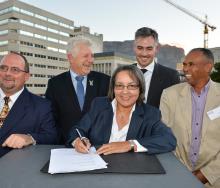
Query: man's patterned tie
[[5, 111]]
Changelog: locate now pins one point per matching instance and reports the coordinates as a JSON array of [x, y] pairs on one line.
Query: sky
[[118, 20]]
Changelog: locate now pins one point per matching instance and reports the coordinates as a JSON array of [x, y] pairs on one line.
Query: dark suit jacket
[[64, 100], [30, 115], [162, 77], [145, 126]]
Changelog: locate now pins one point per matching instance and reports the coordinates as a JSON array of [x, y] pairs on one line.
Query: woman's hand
[[114, 147], [83, 145]]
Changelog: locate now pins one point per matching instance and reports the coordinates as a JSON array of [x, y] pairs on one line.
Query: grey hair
[[136, 74], [73, 43], [206, 52]]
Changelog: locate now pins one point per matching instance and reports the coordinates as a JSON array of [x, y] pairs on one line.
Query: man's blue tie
[[80, 90]]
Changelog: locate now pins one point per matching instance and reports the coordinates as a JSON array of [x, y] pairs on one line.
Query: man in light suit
[[62, 89], [157, 77], [30, 119], [192, 110]]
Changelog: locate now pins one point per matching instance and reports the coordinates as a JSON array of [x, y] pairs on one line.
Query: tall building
[[39, 35], [42, 37], [107, 62]]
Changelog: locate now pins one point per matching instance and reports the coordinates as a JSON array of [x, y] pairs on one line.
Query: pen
[[82, 139]]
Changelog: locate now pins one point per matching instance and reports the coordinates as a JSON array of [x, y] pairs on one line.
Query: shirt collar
[[149, 67], [73, 74], [204, 89], [13, 97]]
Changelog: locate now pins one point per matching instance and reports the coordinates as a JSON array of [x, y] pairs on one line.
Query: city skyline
[[117, 20]]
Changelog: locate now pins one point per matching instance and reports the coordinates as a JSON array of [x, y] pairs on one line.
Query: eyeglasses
[[129, 87], [13, 70]]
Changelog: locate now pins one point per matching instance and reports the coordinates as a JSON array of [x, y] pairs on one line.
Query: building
[[107, 62], [216, 53], [42, 37], [96, 39]]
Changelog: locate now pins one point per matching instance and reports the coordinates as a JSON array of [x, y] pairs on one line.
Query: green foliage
[[215, 75]]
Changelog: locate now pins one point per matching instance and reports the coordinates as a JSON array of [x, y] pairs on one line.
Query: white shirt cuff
[[140, 148]]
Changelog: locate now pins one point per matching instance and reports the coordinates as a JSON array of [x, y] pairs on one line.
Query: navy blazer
[[65, 105], [145, 126], [30, 114], [162, 77]]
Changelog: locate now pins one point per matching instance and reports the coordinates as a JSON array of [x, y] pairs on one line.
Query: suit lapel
[[17, 112], [136, 121], [108, 119], [70, 92], [154, 83], [213, 93], [91, 89], [185, 103]]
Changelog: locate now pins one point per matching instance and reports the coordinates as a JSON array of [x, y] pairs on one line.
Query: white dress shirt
[[13, 98], [120, 135], [147, 77]]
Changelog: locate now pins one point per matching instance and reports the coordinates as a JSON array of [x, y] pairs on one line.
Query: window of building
[[40, 26], [53, 21], [4, 32], [4, 53], [26, 12], [62, 42], [27, 53], [52, 30], [26, 33], [40, 17], [52, 39], [3, 21], [52, 49], [51, 67], [26, 23], [40, 36], [26, 43], [62, 51], [64, 25], [64, 34]]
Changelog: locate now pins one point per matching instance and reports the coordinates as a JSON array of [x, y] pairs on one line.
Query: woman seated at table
[[122, 122]]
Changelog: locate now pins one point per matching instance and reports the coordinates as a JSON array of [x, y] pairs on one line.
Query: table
[[20, 168]]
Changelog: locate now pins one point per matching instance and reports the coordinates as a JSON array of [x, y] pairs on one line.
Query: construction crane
[[203, 21]]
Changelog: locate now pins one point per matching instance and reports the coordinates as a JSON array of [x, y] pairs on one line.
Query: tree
[[215, 75]]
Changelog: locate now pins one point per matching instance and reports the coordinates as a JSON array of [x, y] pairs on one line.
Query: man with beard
[[25, 118]]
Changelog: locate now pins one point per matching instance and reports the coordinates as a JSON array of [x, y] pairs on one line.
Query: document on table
[[67, 160]]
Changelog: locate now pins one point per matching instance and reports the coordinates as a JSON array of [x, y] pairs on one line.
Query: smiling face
[[145, 49], [196, 68], [126, 90], [81, 59], [11, 82]]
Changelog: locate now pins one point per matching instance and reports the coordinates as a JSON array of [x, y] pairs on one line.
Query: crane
[[203, 21]]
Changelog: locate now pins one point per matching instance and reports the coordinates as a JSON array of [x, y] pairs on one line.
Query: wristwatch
[[132, 144]]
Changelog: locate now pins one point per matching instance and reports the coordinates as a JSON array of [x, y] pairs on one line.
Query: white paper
[[215, 113], [67, 160]]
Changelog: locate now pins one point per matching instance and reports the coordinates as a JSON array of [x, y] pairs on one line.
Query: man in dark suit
[[70, 98], [25, 118], [157, 77]]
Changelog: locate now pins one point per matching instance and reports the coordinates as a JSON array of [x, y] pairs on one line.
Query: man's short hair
[[74, 42], [146, 32], [206, 52]]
